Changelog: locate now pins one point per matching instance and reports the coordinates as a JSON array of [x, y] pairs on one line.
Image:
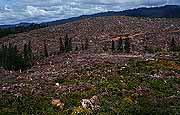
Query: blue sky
[[16, 11]]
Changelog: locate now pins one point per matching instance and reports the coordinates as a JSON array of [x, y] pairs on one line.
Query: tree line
[[123, 45], [65, 45], [12, 59], [174, 47], [19, 29]]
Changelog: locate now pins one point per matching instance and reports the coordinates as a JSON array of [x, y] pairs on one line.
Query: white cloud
[[15, 11], [34, 11]]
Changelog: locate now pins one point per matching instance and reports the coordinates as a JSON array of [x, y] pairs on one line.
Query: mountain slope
[[100, 30], [168, 11]]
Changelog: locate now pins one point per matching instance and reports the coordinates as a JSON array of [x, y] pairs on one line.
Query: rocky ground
[[157, 32], [94, 84], [95, 81], [41, 77]]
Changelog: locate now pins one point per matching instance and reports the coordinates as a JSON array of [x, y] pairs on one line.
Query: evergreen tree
[[127, 45], [20, 61], [82, 46], [14, 54], [30, 53], [5, 56], [11, 60], [105, 48], [86, 45], [66, 43], [70, 44], [25, 52], [1, 56], [120, 45], [45, 49], [10, 57], [173, 45], [61, 46], [76, 48], [113, 45]]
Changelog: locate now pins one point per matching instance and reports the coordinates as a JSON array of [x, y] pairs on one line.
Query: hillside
[[97, 81], [157, 32], [167, 11]]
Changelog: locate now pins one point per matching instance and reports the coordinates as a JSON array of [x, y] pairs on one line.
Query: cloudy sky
[[15, 11]]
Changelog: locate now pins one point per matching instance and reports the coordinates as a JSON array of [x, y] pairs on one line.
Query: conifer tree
[[11, 60], [113, 45], [120, 45], [14, 53], [173, 45], [66, 43], [45, 50], [105, 48], [20, 62], [86, 45], [76, 48], [70, 44], [25, 52], [30, 53], [10, 57], [82, 46], [61, 46], [5, 56], [127, 45], [1, 56]]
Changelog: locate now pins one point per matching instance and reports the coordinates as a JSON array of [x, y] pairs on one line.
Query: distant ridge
[[16, 25], [168, 11]]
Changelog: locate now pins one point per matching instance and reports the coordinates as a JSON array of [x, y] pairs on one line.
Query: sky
[[37, 11]]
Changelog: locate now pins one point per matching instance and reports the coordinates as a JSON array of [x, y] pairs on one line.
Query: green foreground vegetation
[[131, 90]]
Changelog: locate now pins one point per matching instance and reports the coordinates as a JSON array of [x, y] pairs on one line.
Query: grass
[[11, 105], [158, 96]]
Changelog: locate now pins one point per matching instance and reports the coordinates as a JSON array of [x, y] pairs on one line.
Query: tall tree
[[61, 46], [11, 60], [76, 48], [30, 53], [5, 53], [45, 49], [173, 45], [20, 61], [120, 45], [1, 55], [86, 45], [105, 48], [82, 46], [10, 57], [113, 45], [70, 44], [127, 45], [66, 43], [14, 53], [25, 52]]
